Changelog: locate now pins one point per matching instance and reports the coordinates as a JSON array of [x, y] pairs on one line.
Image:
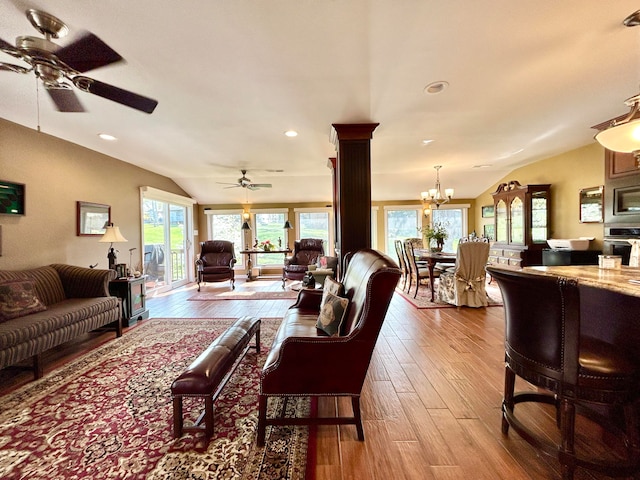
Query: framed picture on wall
[[487, 211]]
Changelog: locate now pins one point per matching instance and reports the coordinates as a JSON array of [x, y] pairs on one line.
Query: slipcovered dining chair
[[464, 284], [545, 347], [415, 271], [305, 252], [215, 262]]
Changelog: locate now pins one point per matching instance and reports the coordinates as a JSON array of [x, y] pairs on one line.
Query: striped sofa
[[77, 301]]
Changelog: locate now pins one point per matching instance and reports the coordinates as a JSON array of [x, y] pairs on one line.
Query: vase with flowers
[[267, 246], [435, 234]]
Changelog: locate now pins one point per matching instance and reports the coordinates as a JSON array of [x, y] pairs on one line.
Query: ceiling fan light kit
[[245, 182], [59, 68]]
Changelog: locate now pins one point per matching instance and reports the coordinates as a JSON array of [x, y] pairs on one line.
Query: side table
[[132, 291]]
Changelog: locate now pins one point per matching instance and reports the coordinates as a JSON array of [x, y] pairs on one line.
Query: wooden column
[[352, 186]]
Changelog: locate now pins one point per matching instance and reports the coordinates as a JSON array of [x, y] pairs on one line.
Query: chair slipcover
[[465, 285]]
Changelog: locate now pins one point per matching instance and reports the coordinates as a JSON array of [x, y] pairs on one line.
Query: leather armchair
[[215, 262], [301, 362], [305, 252]]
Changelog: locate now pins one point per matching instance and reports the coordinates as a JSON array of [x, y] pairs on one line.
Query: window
[[226, 226], [401, 223], [315, 223], [454, 220], [269, 226]]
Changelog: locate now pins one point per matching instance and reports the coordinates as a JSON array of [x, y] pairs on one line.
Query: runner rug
[[423, 299], [108, 415]]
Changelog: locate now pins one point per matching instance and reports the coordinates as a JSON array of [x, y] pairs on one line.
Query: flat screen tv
[[11, 198]]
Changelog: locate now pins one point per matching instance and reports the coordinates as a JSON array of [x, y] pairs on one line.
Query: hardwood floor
[[431, 401]]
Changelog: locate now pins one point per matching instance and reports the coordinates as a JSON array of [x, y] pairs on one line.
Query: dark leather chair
[[305, 252], [303, 363], [544, 346], [215, 262]]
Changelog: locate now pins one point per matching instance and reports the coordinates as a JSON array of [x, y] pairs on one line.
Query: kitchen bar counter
[[617, 280]]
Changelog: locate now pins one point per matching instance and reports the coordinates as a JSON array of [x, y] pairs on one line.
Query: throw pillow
[[332, 311], [333, 286], [18, 298]]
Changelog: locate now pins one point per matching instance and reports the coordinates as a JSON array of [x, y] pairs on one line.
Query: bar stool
[[543, 346]]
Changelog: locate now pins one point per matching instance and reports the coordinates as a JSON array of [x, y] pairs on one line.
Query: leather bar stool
[[543, 345]]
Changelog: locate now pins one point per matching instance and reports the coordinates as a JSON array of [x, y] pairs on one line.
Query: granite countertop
[[625, 280]]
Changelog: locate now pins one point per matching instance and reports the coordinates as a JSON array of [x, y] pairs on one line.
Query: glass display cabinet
[[522, 221]]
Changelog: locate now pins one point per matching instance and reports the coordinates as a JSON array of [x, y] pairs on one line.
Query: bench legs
[[207, 417]]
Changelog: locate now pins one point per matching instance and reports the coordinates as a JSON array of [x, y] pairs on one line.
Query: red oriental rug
[[108, 414]]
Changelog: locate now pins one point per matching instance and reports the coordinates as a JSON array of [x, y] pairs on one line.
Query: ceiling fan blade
[[115, 94], [14, 68], [88, 52], [65, 100], [233, 186], [8, 48], [261, 185]]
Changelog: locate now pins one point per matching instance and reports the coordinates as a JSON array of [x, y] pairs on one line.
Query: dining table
[[431, 258]]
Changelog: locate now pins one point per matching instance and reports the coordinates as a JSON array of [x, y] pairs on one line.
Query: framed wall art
[[487, 211], [92, 218]]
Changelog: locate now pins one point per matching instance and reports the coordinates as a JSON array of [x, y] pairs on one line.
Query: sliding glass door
[[167, 240]]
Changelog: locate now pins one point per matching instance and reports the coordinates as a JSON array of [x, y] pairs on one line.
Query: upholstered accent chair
[[215, 262], [464, 284], [305, 252], [544, 346]]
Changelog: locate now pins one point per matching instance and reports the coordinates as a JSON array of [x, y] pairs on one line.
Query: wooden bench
[[209, 373]]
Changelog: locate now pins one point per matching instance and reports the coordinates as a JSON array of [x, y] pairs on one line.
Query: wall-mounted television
[[11, 198]]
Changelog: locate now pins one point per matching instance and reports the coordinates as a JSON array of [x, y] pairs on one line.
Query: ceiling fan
[[245, 182], [59, 68]]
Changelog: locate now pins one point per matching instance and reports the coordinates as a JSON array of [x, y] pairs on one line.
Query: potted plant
[[435, 233]]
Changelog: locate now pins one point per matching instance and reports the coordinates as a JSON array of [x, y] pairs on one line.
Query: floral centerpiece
[[435, 233], [267, 246]]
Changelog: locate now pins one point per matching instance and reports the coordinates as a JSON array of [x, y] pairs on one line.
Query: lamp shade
[[112, 235], [624, 137], [245, 226], [287, 225]]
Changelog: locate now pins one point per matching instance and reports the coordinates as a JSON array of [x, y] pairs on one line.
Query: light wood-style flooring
[[431, 402]]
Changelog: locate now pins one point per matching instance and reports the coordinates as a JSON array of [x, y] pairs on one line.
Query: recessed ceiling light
[[291, 133], [106, 136], [426, 141], [436, 87]]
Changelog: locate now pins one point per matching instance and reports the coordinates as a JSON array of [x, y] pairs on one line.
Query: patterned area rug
[[423, 300], [108, 415], [244, 295]]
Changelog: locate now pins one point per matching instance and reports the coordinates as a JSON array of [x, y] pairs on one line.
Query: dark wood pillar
[[352, 186]]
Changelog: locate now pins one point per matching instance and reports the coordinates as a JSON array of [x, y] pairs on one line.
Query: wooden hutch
[[522, 221]]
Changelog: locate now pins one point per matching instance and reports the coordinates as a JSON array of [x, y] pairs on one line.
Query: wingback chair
[[303, 363], [464, 285], [215, 262], [305, 252]]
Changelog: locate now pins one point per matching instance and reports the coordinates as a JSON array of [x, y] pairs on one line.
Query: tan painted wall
[[57, 174], [567, 173]]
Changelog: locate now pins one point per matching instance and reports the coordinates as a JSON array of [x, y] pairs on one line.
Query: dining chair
[[402, 261], [464, 284], [416, 272], [545, 347]]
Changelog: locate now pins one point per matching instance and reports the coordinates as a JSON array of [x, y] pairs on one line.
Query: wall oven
[[616, 241]]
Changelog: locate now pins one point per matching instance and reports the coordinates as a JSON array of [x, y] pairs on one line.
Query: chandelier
[[623, 135], [434, 196]]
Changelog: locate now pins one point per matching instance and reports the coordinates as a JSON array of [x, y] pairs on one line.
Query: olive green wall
[[57, 174], [567, 173]]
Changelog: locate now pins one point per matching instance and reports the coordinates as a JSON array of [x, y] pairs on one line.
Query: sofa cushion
[[46, 280], [332, 312], [18, 298], [58, 317]]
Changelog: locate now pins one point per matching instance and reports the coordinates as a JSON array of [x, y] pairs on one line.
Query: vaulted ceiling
[[526, 80]]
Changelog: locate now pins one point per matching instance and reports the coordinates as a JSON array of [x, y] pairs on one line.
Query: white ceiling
[[527, 80]]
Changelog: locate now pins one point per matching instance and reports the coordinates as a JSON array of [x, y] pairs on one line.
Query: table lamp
[[112, 235]]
